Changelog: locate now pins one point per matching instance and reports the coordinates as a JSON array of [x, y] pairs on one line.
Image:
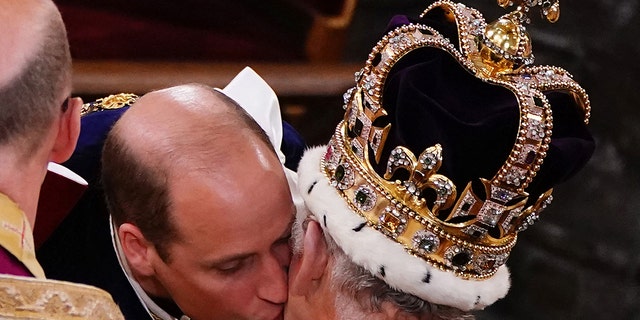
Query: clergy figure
[[39, 123]]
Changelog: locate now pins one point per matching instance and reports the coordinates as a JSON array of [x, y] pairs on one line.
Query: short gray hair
[[355, 284], [28, 103]]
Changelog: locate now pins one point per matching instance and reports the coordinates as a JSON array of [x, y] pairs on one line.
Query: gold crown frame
[[476, 247]]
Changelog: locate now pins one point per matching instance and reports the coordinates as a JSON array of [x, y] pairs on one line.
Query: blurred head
[[324, 281], [201, 203], [37, 118]]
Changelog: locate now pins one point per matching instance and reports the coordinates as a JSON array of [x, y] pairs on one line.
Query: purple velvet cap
[[431, 98]]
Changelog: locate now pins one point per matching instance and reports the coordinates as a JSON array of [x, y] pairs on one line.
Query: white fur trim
[[373, 250]]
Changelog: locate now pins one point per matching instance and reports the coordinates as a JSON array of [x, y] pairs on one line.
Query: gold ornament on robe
[[30, 298]]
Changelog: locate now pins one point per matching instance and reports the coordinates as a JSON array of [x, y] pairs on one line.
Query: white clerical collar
[[155, 311]]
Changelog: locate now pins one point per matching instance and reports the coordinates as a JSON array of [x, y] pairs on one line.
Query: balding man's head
[[166, 133], [187, 125], [201, 204], [36, 66]]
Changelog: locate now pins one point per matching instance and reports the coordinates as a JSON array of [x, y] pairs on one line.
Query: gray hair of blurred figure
[[360, 293]]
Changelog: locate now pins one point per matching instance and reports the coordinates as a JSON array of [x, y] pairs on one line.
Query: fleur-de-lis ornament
[[422, 175]]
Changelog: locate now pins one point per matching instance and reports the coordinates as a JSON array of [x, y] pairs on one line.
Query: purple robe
[[10, 265]]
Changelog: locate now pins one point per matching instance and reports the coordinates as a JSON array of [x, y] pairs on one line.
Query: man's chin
[[280, 316], [276, 315]]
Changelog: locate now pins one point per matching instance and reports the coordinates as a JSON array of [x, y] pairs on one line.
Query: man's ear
[[313, 262], [136, 248], [68, 132]]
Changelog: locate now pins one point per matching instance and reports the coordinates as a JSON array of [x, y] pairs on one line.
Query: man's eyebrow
[[239, 256], [229, 258]]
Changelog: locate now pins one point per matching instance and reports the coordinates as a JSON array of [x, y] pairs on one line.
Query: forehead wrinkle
[[212, 153], [223, 154]]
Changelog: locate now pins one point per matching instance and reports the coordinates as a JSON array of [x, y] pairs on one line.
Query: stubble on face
[[233, 251]]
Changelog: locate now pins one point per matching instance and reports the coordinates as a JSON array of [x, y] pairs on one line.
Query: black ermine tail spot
[[382, 273], [427, 277], [311, 187], [324, 220], [358, 228]]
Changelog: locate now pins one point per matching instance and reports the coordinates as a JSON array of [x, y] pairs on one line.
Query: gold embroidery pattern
[[114, 101], [29, 298]]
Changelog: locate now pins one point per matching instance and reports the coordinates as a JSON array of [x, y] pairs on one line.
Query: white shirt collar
[[155, 311]]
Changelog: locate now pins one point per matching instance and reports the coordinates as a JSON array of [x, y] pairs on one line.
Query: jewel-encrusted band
[[421, 234]]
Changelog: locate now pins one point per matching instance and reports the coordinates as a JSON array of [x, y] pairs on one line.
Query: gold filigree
[[505, 45], [114, 101], [29, 298]]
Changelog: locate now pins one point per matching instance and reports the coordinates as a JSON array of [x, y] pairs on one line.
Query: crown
[[468, 232]]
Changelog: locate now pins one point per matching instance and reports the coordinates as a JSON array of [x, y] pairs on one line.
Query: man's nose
[[273, 284]]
